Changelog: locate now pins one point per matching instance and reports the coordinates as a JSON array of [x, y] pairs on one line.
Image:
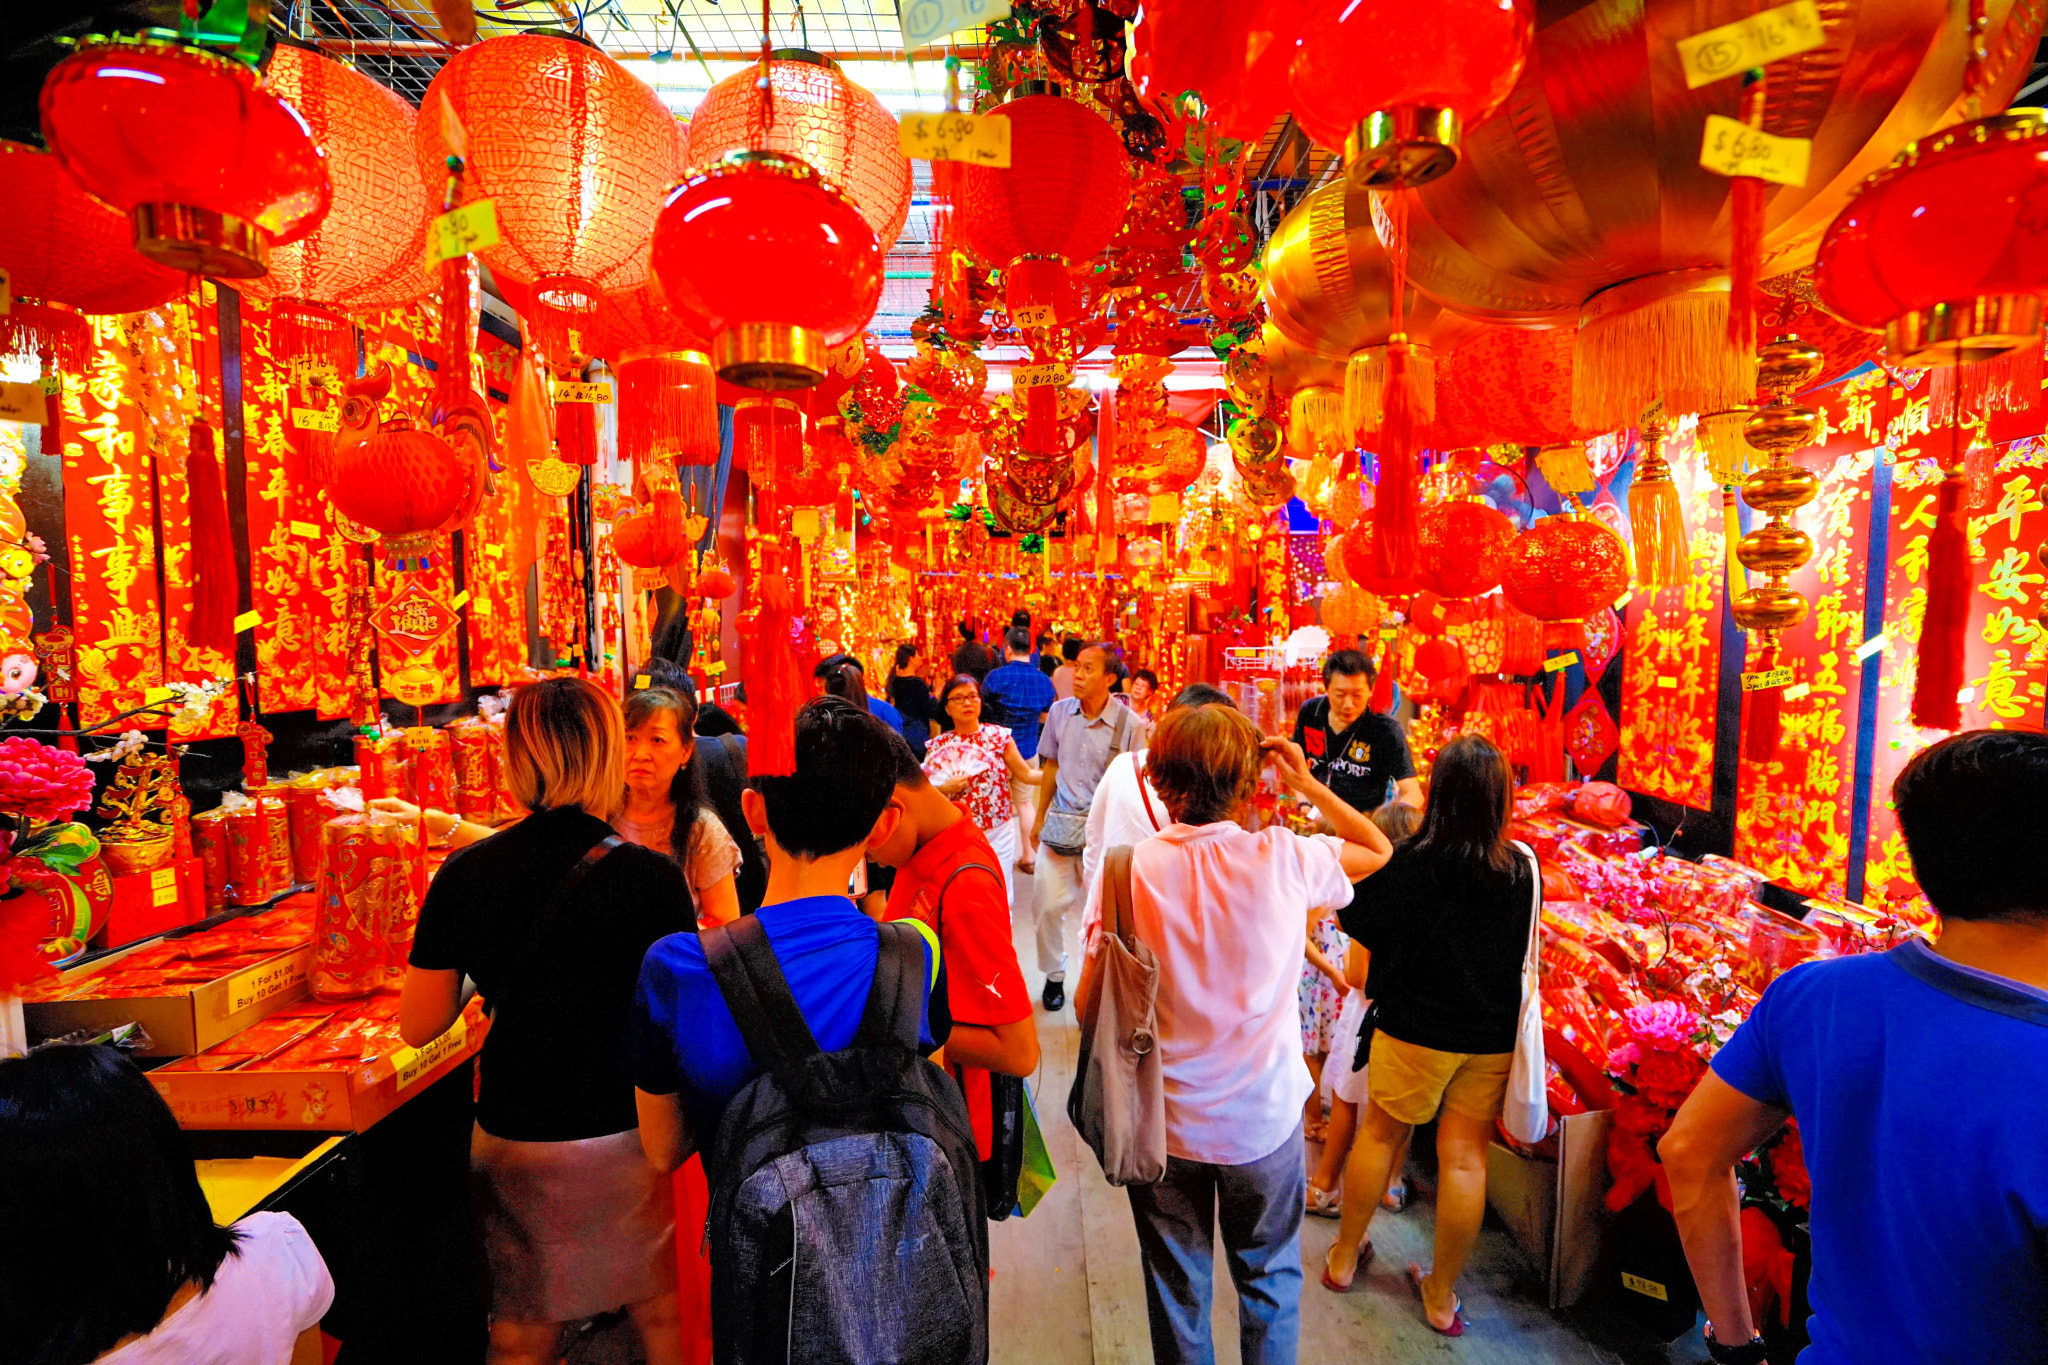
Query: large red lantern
[[1361, 561], [369, 252], [1391, 82], [211, 169], [760, 254], [1462, 548], [1946, 249], [1058, 202], [1565, 569], [577, 153], [65, 253], [820, 117]]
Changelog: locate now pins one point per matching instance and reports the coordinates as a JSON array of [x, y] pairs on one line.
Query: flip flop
[[1365, 1255], [1458, 1319]]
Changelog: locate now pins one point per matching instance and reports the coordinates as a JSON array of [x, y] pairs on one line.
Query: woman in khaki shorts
[[1447, 922]]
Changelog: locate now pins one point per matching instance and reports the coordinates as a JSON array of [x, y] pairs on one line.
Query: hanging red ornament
[[774, 265], [715, 585], [367, 253], [1361, 558], [575, 150], [653, 538], [1439, 673], [837, 128], [400, 482], [1462, 548], [1590, 736], [211, 169], [214, 581], [668, 400], [1565, 568]]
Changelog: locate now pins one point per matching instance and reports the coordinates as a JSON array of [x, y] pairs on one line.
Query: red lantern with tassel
[[211, 169], [400, 482], [715, 585], [653, 538], [1362, 561], [668, 401]]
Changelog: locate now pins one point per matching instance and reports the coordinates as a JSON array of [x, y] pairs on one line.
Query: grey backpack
[[846, 1220]]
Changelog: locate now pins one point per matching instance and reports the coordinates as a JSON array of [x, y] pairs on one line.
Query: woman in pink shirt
[[1225, 911]]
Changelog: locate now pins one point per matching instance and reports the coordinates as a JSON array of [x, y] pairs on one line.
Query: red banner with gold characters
[[1673, 655], [2007, 647], [1794, 812], [501, 546]]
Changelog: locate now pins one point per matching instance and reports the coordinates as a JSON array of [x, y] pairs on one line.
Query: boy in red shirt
[[950, 879]]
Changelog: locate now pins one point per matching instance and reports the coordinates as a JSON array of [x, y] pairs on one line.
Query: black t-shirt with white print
[[1357, 763]]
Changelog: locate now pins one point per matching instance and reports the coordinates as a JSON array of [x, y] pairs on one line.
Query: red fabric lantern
[[576, 151], [1361, 559], [1946, 249], [1462, 548], [369, 251], [824, 119], [1565, 569], [653, 538], [716, 585], [1402, 66], [402, 483], [66, 253], [1059, 201], [1507, 385], [760, 254], [1439, 673], [211, 169]]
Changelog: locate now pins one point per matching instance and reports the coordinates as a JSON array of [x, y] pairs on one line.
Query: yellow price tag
[[313, 419], [1720, 52], [1162, 508], [978, 139], [1732, 147], [305, 530], [312, 367], [469, 228], [1797, 691], [641, 682], [1560, 663], [804, 523], [6, 293], [248, 620], [163, 886], [1766, 678], [1038, 376], [1033, 315], [1667, 682], [24, 403], [568, 391], [152, 695]]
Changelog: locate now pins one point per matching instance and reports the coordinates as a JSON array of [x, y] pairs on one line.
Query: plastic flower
[[1666, 1078], [38, 782], [1662, 1026]]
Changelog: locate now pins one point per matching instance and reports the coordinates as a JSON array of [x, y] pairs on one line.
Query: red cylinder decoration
[[1946, 249], [1389, 83], [369, 252], [774, 265], [212, 170], [575, 150], [1565, 569], [65, 253], [1061, 198], [1462, 548], [820, 117]]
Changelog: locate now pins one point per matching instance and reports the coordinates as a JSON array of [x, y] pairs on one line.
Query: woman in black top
[[912, 696], [1447, 923], [574, 1220]]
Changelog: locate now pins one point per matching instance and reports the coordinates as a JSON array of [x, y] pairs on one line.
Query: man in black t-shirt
[[1352, 749]]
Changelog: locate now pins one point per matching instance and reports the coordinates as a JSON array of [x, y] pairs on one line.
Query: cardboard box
[[1551, 1204]]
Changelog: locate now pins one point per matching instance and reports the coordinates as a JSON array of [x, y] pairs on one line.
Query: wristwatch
[[1751, 1352]]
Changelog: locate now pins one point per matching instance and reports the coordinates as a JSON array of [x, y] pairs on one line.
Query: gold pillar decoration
[[1779, 488]]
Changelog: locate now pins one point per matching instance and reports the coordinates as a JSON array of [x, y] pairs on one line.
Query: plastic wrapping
[[372, 879]]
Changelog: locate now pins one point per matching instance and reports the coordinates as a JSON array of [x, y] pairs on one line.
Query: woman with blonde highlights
[[1225, 911], [550, 918]]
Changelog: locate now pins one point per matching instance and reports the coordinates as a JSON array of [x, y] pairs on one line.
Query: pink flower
[[39, 782], [1663, 1026]]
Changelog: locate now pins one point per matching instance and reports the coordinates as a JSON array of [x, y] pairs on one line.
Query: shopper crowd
[[808, 983]]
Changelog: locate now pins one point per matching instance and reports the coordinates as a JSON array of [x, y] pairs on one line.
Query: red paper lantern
[[369, 253], [1946, 249], [654, 538], [1439, 672], [716, 585], [760, 254], [576, 151], [1565, 569], [1058, 203], [1389, 82], [211, 169], [1462, 548], [822, 118], [1361, 562], [66, 253], [398, 482]]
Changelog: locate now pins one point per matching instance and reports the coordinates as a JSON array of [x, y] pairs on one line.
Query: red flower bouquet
[[1653, 1072]]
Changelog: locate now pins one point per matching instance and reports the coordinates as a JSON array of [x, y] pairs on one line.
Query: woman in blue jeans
[[1225, 910]]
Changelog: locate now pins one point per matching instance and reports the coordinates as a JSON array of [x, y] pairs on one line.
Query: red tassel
[[775, 685], [1547, 763], [53, 412], [576, 433], [1382, 698], [300, 330], [1395, 510], [1766, 706], [214, 586], [668, 408], [1938, 675], [1745, 259]]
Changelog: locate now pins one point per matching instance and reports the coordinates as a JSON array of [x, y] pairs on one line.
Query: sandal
[[1458, 1319], [1325, 1203], [1396, 1197], [1365, 1255]]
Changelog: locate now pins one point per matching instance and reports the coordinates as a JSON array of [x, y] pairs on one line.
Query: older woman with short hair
[[550, 918], [1225, 911]]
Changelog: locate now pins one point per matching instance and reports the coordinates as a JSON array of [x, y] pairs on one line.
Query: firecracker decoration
[[1775, 549], [255, 753]]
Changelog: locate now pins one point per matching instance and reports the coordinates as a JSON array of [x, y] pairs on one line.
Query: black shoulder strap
[[896, 1000], [736, 756], [954, 875], [549, 913], [755, 990]]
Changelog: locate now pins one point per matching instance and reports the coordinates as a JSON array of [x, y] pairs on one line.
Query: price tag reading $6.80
[[977, 139], [1734, 148]]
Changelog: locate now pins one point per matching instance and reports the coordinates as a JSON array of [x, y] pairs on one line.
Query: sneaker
[[1396, 1197], [1054, 996], [1326, 1203]]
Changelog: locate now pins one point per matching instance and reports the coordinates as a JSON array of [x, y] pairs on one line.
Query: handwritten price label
[[7, 289], [163, 886], [1720, 52], [248, 620], [1766, 679], [1797, 691], [1560, 663], [927, 21], [306, 530], [1733, 148], [978, 139], [23, 403], [1038, 376], [469, 228], [568, 391], [313, 419], [308, 367], [1032, 315]]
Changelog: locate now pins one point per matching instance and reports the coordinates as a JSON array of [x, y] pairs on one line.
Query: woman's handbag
[[1118, 1103], [1526, 1112]]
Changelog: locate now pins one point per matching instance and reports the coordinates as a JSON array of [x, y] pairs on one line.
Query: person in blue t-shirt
[[842, 675], [683, 1051], [1919, 1078]]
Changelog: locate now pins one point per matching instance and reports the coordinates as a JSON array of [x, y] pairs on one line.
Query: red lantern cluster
[[211, 169], [1565, 569]]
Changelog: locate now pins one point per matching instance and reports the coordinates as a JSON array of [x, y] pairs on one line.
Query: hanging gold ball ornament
[[1254, 442], [1247, 381], [1778, 488]]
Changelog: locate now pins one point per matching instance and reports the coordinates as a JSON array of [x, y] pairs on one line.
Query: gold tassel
[[1365, 391], [1662, 338], [1315, 420], [1656, 516]]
